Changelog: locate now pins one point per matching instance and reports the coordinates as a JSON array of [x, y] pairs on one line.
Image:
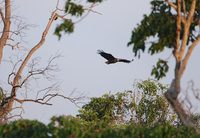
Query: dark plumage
[[111, 59]]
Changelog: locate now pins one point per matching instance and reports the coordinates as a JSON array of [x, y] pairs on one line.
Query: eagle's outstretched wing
[[107, 56], [111, 59]]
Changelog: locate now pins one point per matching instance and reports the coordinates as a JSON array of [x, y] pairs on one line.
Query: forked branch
[[31, 52], [171, 4], [46, 99]]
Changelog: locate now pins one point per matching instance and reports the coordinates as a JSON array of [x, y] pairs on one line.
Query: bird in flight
[[111, 59]]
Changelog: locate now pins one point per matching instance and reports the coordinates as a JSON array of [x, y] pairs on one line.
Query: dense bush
[[72, 127], [24, 129], [145, 105]]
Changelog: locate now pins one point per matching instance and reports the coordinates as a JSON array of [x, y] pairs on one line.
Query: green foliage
[[68, 126], [196, 120], [160, 24], [108, 109], [160, 70], [159, 131], [146, 106], [65, 126], [67, 26], [73, 10], [99, 109], [153, 108], [71, 127], [23, 129]]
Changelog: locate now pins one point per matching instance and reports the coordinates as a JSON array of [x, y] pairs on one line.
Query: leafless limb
[[195, 91], [184, 9], [2, 16], [26, 69], [13, 71], [14, 116], [192, 95], [13, 46], [43, 71], [171, 4], [89, 9], [17, 34], [189, 53], [31, 73], [19, 115], [57, 6], [45, 91], [187, 103], [45, 99]]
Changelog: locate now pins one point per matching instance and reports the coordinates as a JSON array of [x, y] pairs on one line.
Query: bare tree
[[18, 79]]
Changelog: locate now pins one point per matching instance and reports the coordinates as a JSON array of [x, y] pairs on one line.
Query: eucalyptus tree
[[175, 25]]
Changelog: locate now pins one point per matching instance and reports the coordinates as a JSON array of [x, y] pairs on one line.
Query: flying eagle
[[111, 59]]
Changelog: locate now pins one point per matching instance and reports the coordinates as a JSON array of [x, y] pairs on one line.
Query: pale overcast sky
[[81, 68]]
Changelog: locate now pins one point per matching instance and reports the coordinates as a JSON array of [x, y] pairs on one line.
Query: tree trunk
[[6, 28], [182, 52]]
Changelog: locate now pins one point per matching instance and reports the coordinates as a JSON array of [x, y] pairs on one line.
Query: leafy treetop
[[160, 24], [72, 9]]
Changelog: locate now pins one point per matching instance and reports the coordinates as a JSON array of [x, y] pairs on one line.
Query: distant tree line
[[72, 127]]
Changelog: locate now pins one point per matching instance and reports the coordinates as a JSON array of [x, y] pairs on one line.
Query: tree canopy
[[173, 25], [157, 32], [145, 105]]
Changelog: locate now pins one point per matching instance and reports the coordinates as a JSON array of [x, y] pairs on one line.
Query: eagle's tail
[[125, 60]]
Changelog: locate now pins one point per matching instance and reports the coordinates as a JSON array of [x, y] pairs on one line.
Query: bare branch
[[9, 77], [19, 76], [57, 4], [171, 4], [192, 10], [7, 103], [43, 71], [184, 9], [31, 100], [188, 54], [192, 88], [31, 52], [89, 9], [16, 115], [2, 16], [13, 72], [186, 28], [196, 92], [188, 100], [178, 30], [45, 91], [46, 99]]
